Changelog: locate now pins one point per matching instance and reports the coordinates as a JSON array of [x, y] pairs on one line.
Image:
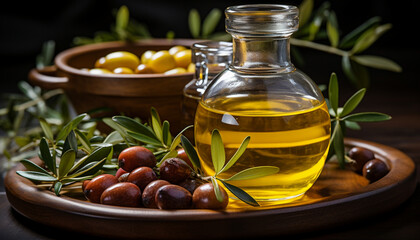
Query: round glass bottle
[[210, 58], [262, 95]]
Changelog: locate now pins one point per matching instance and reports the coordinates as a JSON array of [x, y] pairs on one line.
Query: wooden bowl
[[129, 94]]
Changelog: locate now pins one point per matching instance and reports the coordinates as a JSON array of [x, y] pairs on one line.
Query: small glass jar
[[262, 95], [210, 58]]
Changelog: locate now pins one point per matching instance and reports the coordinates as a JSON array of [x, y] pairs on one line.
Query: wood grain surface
[[338, 196]]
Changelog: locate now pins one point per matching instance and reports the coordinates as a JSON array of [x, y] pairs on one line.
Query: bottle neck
[[262, 55]]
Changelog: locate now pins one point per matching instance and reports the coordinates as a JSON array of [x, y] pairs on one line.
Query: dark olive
[[205, 198], [84, 184], [149, 193], [190, 184], [375, 169], [97, 186], [123, 177], [122, 194], [134, 157], [142, 176], [173, 197], [174, 170], [120, 172], [360, 156]]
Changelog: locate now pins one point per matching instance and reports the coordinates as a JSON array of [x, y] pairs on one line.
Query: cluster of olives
[[176, 60], [367, 164], [139, 183]]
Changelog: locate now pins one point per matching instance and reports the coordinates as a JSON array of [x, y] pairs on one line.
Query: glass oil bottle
[[262, 95], [210, 58]]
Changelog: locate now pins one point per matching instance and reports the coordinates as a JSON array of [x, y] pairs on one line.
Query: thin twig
[[318, 46]]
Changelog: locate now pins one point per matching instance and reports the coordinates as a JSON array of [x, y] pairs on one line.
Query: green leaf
[[319, 16], [46, 128], [122, 18], [351, 37], [45, 155], [367, 117], [145, 139], [156, 124], [216, 189], [333, 92], [254, 172], [332, 29], [211, 21], [237, 154], [112, 124], [113, 138], [97, 155], [377, 62], [241, 194], [191, 152], [194, 23], [352, 125], [217, 151], [177, 140], [338, 144], [305, 11], [71, 141], [83, 140], [133, 126], [30, 166], [166, 134], [170, 154], [356, 73], [369, 37], [89, 169], [36, 176], [353, 102], [70, 126], [66, 163], [57, 188]]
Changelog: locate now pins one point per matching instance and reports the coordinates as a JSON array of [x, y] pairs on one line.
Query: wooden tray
[[338, 196]]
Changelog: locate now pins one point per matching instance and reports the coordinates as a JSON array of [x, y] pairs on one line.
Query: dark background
[[25, 26]]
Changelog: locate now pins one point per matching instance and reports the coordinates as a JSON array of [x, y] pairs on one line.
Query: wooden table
[[394, 94]]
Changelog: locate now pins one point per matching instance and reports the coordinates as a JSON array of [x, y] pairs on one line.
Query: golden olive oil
[[289, 132]]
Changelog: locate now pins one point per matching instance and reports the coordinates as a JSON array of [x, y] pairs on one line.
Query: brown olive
[[134, 157], [205, 198], [120, 172], [375, 169], [173, 197], [142, 176], [149, 193], [123, 177], [122, 194], [190, 184], [97, 186], [360, 156], [174, 170], [84, 184]]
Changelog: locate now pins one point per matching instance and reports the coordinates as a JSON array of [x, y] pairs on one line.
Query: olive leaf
[[57, 188], [217, 151], [369, 37], [241, 194], [305, 11], [253, 172], [194, 22], [352, 102], [210, 22], [237, 154], [70, 126], [332, 29], [377, 62], [333, 92], [45, 155], [356, 73], [349, 39], [46, 128], [216, 188], [66, 163], [36, 176], [83, 140], [191, 153], [367, 117], [30, 166]]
